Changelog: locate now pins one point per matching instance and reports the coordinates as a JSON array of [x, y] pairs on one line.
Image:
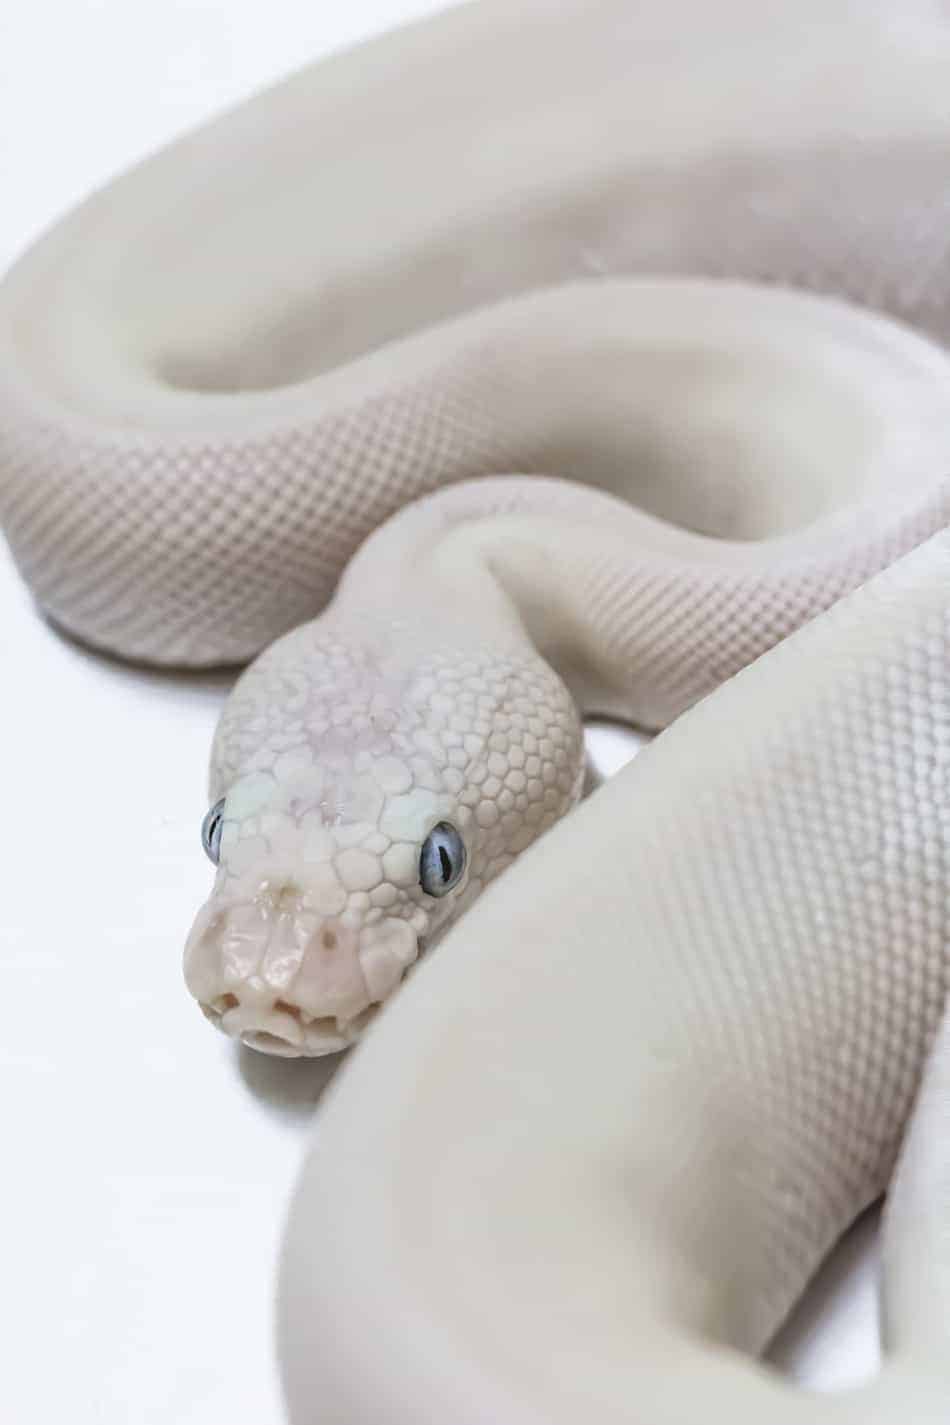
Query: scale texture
[[462, 410]]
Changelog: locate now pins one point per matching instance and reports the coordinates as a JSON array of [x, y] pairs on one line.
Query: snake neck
[[637, 618]]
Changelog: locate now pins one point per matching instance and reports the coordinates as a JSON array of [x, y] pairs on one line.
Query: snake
[[533, 362]]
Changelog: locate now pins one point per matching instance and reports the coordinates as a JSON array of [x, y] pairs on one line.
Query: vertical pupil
[[445, 862]]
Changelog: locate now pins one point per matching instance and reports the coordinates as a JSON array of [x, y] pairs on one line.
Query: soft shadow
[[827, 1293], [608, 746], [199, 681], [593, 776], [290, 1087]]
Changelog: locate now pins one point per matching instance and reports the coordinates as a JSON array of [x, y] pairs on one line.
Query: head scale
[[359, 804]]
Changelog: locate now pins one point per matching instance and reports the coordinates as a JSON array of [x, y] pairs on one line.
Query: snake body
[[249, 394]]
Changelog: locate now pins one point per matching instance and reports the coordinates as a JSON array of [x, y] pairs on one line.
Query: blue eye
[[211, 829], [442, 860]]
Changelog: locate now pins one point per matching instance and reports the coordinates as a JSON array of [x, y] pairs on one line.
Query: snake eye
[[442, 861], [211, 829]]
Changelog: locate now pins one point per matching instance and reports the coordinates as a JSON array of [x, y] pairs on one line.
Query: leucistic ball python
[[695, 258]]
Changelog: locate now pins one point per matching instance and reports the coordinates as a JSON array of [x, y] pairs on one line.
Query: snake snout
[[292, 984], [284, 1028]]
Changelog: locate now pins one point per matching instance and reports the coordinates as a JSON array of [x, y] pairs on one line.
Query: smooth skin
[[585, 1163]]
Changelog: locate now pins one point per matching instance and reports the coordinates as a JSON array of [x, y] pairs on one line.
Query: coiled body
[[602, 1139]]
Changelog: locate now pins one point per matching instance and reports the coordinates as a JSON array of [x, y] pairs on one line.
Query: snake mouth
[[284, 1029], [293, 984]]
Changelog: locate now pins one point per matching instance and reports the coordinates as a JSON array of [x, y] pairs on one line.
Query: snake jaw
[[289, 982], [285, 1030]]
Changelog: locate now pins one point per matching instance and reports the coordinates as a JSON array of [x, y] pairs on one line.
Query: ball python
[[676, 279]]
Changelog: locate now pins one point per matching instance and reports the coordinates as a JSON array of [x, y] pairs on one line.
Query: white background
[[146, 1161]]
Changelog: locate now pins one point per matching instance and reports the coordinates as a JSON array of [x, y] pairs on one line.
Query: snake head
[[358, 811], [319, 905]]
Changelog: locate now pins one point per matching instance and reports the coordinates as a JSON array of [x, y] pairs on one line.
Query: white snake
[[593, 1153]]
